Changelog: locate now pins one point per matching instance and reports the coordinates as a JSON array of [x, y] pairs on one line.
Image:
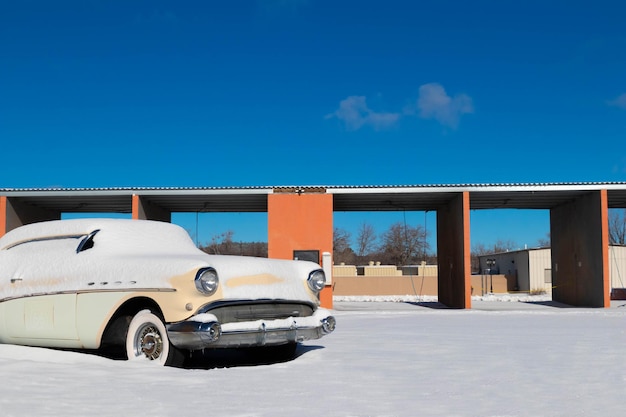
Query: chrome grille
[[249, 311]]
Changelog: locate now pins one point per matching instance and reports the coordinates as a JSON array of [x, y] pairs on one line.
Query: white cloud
[[619, 101], [354, 113], [434, 103], [620, 167]]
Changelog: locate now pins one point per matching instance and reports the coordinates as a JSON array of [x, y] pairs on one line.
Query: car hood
[[255, 278], [240, 277]]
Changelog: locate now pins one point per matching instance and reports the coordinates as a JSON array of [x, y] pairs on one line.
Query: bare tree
[[258, 249], [617, 227], [220, 244], [498, 247], [341, 239], [366, 239], [342, 252], [403, 244], [545, 242]]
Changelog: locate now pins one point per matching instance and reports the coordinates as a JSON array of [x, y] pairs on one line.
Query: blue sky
[[287, 92]]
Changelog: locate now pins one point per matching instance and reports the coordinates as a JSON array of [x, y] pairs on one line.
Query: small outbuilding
[[530, 270]]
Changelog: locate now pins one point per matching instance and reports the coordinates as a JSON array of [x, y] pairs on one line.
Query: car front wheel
[[147, 340]]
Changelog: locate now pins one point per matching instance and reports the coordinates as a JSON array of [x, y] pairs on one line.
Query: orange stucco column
[[300, 221], [145, 210], [14, 214], [3, 215], [136, 208]]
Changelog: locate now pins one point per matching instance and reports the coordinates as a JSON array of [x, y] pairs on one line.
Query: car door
[[39, 301], [42, 317]]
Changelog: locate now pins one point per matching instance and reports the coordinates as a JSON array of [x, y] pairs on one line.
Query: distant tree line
[[223, 244]]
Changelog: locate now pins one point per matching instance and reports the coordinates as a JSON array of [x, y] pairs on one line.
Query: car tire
[[147, 340]]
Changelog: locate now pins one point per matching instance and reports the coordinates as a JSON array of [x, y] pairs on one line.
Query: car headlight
[[317, 280], [207, 281]]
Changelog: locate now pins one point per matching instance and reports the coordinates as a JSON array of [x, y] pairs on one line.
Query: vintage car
[[143, 287]]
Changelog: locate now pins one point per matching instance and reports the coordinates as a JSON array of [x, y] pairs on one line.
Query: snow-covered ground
[[386, 358]]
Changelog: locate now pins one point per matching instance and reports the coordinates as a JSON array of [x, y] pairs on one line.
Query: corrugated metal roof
[[346, 198]]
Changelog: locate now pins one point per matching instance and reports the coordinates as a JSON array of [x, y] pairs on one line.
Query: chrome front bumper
[[204, 331]]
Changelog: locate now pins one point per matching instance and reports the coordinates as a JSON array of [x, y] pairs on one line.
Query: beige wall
[[408, 285]]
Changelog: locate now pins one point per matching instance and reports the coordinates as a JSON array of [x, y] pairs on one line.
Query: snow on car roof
[[129, 250], [152, 235]]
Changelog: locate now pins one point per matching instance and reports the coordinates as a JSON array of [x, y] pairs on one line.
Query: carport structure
[[301, 218]]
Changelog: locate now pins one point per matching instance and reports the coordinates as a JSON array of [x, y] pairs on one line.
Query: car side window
[[87, 242]]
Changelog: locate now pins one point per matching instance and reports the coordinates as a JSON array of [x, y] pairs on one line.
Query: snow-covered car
[[143, 287]]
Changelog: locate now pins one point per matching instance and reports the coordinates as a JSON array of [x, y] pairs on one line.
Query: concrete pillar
[[301, 221], [580, 251], [143, 209], [453, 253], [14, 213]]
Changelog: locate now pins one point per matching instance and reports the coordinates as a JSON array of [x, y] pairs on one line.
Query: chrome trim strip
[[89, 292], [44, 239]]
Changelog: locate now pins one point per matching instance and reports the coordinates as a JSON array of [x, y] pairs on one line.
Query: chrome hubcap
[[149, 342]]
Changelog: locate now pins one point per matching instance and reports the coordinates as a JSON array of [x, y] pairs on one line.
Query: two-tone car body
[[144, 286]]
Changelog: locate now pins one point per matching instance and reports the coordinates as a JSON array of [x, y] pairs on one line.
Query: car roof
[[152, 233]]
